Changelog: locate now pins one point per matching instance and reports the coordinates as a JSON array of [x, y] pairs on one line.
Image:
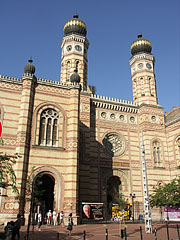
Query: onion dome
[[141, 45], [76, 26], [29, 68], [75, 78]]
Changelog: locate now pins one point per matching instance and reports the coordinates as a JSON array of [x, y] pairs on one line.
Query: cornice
[[114, 104]]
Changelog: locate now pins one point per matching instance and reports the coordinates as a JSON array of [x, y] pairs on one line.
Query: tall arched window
[[68, 70], [48, 135], [178, 145], [157, 154], [77, 65], [142, 86]]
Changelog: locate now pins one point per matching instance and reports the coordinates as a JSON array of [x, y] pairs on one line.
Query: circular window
[[114, 144], [132, 119], [112, 116], [121, 117], [103, 115], [153, 118], [69, 47], [140, 65]]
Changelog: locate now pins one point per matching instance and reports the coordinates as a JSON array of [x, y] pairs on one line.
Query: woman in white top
[[39, 221]]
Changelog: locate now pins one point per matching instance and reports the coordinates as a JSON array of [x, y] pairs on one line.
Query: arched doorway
[[113, 189], [44, 185]]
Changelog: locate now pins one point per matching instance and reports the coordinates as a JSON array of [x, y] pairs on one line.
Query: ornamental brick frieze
[[69, 206], [135, 165], [84, 116], [71, 145], [146, 126], [9, 141], [27, 82], [84, 107], [151, 111], [58, 91], [10, 86], [121, 164], [11, 205]]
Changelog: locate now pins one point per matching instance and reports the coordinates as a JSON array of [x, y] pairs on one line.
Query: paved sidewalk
[[98, 232]]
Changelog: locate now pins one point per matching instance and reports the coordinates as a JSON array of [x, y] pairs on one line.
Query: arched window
[[48, 135], [77, 65], [68, 70], [142, 86], [178, 145], [157, 154]]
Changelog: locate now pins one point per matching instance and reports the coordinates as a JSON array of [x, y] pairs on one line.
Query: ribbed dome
[[75, 78], [75, 25], [141, 45], [29, 68]]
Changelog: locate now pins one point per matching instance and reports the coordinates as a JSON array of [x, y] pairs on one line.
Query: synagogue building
[[86, 147]]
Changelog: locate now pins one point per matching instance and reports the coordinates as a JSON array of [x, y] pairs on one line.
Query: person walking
[[49, 216], [54, 217], [39, 220], [61, 217], [70, 223]]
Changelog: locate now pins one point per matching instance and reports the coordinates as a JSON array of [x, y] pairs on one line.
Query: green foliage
[[167, 194], [7, 175], [33, 187], [119, 198]]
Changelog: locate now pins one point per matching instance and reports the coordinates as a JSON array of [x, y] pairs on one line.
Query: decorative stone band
[[10, 79], [40, 81], [141, 56], [114, 104], [11, 205]]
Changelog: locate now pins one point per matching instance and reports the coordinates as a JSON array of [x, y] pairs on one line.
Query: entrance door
[[45, 188], [113, 190]]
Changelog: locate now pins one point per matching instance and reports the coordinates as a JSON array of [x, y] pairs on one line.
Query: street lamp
[[132, 197]]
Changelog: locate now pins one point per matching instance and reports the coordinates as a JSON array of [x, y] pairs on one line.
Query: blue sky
[[35, 28]]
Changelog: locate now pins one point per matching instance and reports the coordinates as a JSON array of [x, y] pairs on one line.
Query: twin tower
[[74, 62]]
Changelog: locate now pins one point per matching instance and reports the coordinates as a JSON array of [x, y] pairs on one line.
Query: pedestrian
[[70, 223], [17, 225], [54, 217], [61, 217], [49, 216], [39, 220]]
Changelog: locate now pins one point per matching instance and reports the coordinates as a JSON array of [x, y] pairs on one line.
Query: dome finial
[[30, 60], [75, 26], [29, 68], [141, 45], [75, 15]]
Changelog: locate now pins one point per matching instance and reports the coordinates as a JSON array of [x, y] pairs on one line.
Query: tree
[[167, 194], [120, 200], [33, 195], [7, 174]]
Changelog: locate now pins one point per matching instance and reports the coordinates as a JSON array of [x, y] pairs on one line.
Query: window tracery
[[48, 135], [157, 154]]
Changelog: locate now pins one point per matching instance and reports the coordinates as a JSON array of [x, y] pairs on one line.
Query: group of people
[[53, 218], [12, 228]]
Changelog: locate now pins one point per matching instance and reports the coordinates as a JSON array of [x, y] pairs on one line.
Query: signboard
[[172, 214], [118, 214], [0, 129], [92, 211]]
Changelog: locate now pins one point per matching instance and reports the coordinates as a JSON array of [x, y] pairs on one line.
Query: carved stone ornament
[[114, 144]]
